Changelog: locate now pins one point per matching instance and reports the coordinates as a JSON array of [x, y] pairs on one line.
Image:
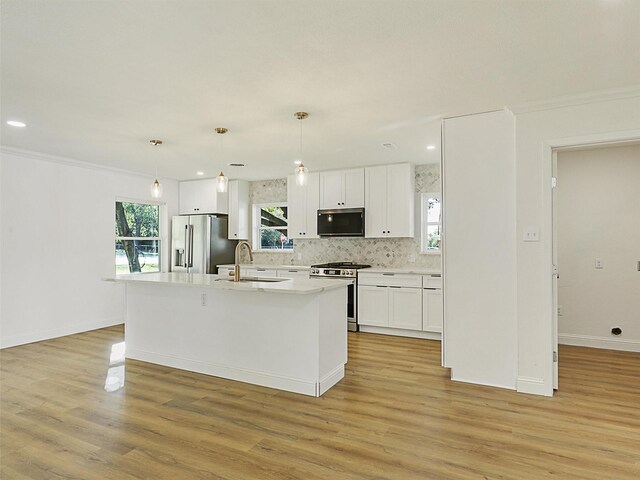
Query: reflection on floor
[[394, 416], [115, 374]]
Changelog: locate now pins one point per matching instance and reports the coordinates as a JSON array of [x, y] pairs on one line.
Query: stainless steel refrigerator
[[199, 243]]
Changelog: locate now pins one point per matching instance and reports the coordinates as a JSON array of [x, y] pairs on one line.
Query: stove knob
[[349, 272]]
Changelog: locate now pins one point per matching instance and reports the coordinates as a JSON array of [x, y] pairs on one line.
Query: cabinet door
[[189, 198], [375, 206], [432, 310], [405, 308], [224, 271], [353, 188], [234, 221], [312, 205], [238, 210], [400, 200], [297, 211], [373, 306], [331, 189]]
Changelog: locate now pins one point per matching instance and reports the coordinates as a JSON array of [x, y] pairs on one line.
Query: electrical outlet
[[411, 259], [203, 300], [299, 256], [559, 310], [598, 264]]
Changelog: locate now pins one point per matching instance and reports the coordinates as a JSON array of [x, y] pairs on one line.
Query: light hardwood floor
[[394, 416]]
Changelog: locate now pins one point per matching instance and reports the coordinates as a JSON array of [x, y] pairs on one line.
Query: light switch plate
[[531, 234]]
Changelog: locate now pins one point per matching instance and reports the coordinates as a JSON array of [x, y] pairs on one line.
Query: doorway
[[596, 247]]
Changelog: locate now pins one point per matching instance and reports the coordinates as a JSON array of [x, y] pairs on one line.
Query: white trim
[[255, 228], [72, 162], [462, 379], [533, 386], [7, 342], [264, 379], [574, 100], [330, 379], [607, 343], [398, 332]]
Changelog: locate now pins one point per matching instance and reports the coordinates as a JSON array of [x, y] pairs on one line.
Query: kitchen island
[[289, 334]]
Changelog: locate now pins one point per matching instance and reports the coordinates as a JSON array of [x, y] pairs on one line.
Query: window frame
[[162, 231], [256, 228], [425, 223]]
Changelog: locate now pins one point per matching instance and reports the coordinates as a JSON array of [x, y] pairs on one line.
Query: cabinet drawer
[[259, 272], [431, 281], [390, 279], [293, 273]]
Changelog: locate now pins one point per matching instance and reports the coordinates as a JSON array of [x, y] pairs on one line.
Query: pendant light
[[221, 180], [156, 187], [301, 171]]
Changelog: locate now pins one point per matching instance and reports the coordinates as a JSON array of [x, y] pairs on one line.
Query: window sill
[[275, 250], [439, 252]]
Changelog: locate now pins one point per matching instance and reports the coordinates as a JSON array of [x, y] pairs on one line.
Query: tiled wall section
[[386, 252]]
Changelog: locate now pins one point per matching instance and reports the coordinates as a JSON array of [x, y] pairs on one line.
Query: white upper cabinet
[[303, 203], [201, 196], [342, 189], [238, 210], [389, 201]]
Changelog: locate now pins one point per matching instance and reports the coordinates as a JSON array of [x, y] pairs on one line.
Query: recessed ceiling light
[[200, 173], [236, 164], [431, 147], [15, 123], [298, 162]]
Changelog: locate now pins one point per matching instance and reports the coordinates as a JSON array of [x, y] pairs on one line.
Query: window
[[431, 222], [270, 230], [137, 237]]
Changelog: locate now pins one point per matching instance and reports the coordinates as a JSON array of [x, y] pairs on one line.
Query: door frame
[[550, 149]]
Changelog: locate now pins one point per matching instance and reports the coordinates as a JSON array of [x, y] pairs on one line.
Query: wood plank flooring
[[394, 416]]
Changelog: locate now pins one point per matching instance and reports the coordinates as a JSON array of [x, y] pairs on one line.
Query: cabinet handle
[[381, 286], [394, 286], [389, 274]]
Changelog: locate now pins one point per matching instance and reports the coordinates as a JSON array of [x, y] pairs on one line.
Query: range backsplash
[[383, 252]]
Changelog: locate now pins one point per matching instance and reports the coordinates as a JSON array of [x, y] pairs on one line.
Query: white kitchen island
[[290, 335]]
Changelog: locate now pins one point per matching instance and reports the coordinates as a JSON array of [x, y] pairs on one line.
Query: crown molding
[[574, 100], [18, 152]]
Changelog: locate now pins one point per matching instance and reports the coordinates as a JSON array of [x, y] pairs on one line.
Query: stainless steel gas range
[[347, 270]]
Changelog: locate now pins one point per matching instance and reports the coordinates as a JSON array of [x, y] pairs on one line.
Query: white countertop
[[400, 270], [273, 267], [290, 285]]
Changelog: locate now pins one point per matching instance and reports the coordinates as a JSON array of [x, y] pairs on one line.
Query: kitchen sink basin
[[254, 279]]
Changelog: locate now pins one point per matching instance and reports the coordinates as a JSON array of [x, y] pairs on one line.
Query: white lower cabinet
[[432, 317], [373, 305], [393, 301], [432, 310], [405, 308]]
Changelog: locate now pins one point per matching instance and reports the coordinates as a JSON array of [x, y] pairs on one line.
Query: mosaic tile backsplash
[[379, 252]]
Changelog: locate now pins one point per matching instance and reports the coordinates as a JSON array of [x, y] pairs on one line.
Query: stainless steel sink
[[254, 279]]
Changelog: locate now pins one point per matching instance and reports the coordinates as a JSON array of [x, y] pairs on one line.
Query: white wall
[[598, 216], [57, 243], [479, 249], [536, 132]]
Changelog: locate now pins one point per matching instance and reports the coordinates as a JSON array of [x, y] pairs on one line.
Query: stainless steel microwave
[[345, 222]]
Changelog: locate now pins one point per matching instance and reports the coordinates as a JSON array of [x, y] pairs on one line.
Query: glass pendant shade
[[222, 182], [156, 189], [301, 175]]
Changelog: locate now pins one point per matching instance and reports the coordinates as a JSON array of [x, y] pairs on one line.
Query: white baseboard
[[467, 379], [265, 379], [533, 386], [599, 342], [14, 341], [398, 332], [330, 379]]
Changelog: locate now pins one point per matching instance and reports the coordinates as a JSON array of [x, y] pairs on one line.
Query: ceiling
[[95, 80]]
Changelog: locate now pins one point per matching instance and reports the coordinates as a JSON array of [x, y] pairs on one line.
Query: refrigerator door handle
[[190, 246], [186, 246]]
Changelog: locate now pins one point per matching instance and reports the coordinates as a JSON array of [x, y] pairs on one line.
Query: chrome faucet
[[236, 268]]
